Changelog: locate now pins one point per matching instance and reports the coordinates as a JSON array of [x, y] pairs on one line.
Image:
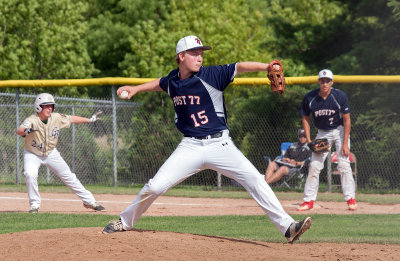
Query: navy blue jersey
[[199, 100], [327, 113]]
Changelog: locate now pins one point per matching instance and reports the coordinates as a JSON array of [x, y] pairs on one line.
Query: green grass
[[325, 228], [18, 222], [207, 192], [355, 228], [376, 229]]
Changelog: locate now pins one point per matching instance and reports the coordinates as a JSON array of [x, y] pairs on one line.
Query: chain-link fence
[[128, 145], [89, 149]]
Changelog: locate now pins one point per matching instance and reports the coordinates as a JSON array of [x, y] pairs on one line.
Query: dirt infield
[[90, 244]]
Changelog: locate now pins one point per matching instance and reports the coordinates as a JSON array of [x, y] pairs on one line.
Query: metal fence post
[[73, 141], [219, 181], [17, 176], [47, 175], [114, 127]]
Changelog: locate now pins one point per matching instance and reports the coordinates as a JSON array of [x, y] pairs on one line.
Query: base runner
[[41, 131], [197, 94]]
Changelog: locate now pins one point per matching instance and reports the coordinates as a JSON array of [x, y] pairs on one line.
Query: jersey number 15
[[202, 118]]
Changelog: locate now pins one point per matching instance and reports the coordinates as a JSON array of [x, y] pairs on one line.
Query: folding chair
[[295, 179], [353, 165], [284, 147]]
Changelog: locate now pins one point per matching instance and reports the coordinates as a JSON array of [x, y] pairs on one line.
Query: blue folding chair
[[298, 178], [284, 147]]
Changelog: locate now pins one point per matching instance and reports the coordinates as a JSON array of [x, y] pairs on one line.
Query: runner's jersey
[[44, 137], [327, 114], [199, 100]]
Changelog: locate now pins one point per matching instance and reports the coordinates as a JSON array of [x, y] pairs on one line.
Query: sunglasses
[[323, 81]]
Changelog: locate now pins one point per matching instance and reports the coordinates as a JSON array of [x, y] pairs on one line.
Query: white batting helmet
[[42, 99]]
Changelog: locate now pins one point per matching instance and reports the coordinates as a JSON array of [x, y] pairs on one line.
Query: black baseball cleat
[[114, 226], [296, 229], [96, 206], [34, 210]]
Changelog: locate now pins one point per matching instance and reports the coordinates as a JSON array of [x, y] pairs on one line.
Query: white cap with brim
[[190, 42], [325, 73]]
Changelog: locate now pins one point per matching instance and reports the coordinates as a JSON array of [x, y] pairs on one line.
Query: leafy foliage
[[42, 40], [307, 31], [61, 39], [136, 146], [112, 28]]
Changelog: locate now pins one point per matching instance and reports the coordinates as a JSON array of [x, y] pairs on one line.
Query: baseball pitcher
[[197, 94], [41, 131]]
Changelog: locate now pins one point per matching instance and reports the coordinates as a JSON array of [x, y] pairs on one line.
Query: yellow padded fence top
[[237, 81]]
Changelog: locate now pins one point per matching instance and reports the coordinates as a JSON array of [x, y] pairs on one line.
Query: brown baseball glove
[[319, 145], [276, 77]]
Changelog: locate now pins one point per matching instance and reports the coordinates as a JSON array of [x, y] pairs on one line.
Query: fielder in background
[[41, 131], [331, 113], [197, 94], [293, 159]]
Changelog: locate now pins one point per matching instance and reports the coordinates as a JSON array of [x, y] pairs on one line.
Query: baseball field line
[[115, 202]]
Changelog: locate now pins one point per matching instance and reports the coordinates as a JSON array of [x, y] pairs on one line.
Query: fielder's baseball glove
[[276, 77], [319, 145]]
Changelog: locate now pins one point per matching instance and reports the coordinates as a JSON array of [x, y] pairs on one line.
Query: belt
[[212, 136]]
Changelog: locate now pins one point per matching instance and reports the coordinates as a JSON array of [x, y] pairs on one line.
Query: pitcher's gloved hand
[[276, 77]]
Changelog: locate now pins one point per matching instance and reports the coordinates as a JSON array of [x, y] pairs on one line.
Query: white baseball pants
[[317, 164], [56, 163], [219, 154]]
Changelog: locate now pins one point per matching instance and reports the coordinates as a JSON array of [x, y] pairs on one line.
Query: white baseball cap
[[325, 73], [189, 43]]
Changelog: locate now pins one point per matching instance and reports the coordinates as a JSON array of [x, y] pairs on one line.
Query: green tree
[[111, 24], [351, 38], [152, 47], [44, 40], [308, 31], [152, 54], [375, 36]]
